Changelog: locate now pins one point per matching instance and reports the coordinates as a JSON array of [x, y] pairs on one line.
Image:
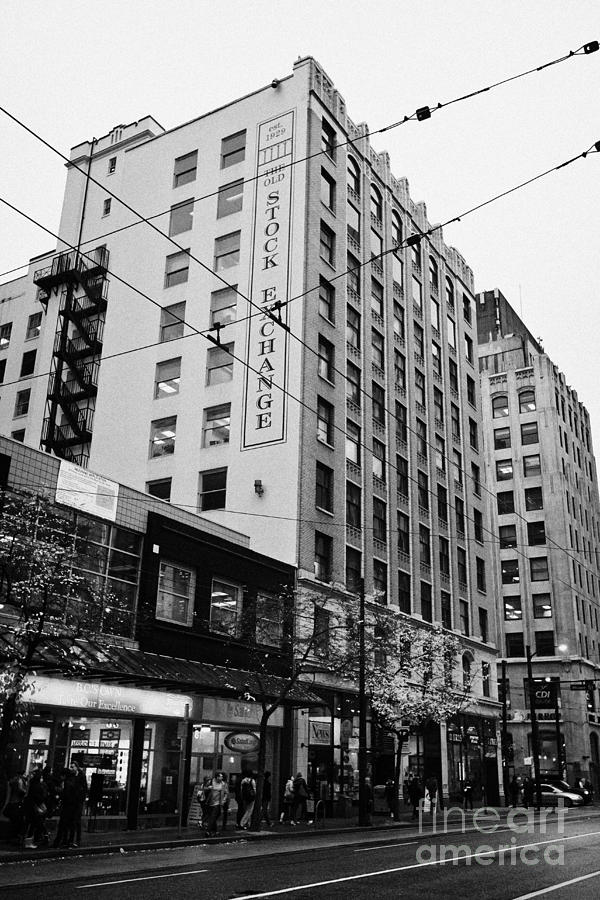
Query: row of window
[[226, 255], [531, 466], [542, 607], [538, 570], [544, 644], [34, 326], [527, 403], [529, 435]]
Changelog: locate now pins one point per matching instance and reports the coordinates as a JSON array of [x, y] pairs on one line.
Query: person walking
[[415, 792], [432, 789], [467, 793], [267, 793], [288, 802], [300, 798], [390, 798], [248, 792], [514, 790], [528, 791], [217, 795]]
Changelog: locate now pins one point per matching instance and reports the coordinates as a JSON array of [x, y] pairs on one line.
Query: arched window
[[353, 175], [396, 228], [527, 401], [376, 204], [500, 406], [449, 293], [466, 669], [434, 275]]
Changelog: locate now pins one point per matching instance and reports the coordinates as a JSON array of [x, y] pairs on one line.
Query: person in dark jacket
[[81, 792], [36, 811], [514, 790], [68, 808], [266, 799], [467, 793], [415, 792], [300, 797]]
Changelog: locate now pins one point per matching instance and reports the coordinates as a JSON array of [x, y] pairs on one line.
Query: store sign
[[86, 491], [319, 733], [544, 695], [242, 742], [237, 712], [105, 698], [265, 376]]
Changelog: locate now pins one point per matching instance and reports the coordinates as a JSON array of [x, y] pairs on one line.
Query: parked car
[[552, 795], [559, 783]]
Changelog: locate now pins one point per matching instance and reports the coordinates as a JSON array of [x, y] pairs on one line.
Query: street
[[505, 861]]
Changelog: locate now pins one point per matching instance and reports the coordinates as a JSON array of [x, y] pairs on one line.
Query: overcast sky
[[73, 71]]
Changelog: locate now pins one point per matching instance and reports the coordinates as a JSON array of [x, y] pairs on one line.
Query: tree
[[46, 601]]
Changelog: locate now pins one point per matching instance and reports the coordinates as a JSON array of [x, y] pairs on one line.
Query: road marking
[[387, 846], [81, 887], [435, 862], [557, 887]]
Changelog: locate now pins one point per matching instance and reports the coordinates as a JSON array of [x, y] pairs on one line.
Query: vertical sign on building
[[265, 403]]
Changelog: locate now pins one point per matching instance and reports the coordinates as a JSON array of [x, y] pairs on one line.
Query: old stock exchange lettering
[[265, 401]]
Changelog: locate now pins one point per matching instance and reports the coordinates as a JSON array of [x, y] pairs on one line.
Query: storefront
[[472, 747]]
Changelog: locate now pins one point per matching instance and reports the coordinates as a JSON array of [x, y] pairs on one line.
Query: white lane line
[[435, 862], [81, 887], [387, 846], [557, 887]]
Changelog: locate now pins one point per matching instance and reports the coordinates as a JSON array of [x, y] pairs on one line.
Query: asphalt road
[[557, 862]]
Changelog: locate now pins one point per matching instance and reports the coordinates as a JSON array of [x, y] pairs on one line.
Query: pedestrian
[[266, 799], [300, 798], [15, 808], [467, 793], [67, 807], [288, 802], [248, 792], [514, 790], [415, 792], [390, 797], [432, 789], [216, 797], [81, 792], [203, 800], [528, 791], [36, 812]]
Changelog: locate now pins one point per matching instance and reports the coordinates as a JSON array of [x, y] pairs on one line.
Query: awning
[[91, 660]]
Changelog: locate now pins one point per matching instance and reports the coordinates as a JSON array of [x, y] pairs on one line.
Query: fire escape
[[81, 280]]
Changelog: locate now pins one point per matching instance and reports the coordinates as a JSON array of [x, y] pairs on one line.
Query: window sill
[[328, 512], [323, 443]]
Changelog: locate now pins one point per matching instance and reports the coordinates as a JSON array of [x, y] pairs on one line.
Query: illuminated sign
[[86, 491], [242, 742], [265, 404]]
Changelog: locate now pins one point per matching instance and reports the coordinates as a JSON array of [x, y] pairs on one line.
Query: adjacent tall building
[[280, 359], [546, 517]]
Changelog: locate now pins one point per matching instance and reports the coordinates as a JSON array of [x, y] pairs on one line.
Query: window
[[400, 369], [378, 401], [446, 603], [533, 499], [419, 343], [459, 511], [230, 199], [226, 608], [544, 643], [326, 299], [502, 438], [376, 297], [440, 453], [466, 309], [539, 568], [233, 149], [402, 474], [473, 435], [327, 190], [227, 251], [325, 421], [379, 460], [353, 327], [536, 534], [453, 374], [353, 274], [397, 273], [463, 608], [219, 364], [436, 358], [379, 581], [376, 245], [325, 360], [217, 424], [353, 175], [438, 405], [476, 479], [471, 390], [417, 294], [423, 489], [328, 139], [5, 332], [112, 165], [510, 571], [401, 427], [22, 403], [442, 503], [182, 217], [321, 631], [515, 645], [480, 570], [377, 348], [529, 433], [444, 556], [353, 505], [424, 546], [403, 533], [396, 229], [353, 383], [457, 461], [353, 442], [404, 592], [500, 406], [542, 606], [167, 377], [469, 348], [184, 169], [171, 322], [34, 326], [483, 624], [434, 281], [527, 401], [379, 520], [269, 625], [421, 437], [512, 609], [353, 569], [420, 387], [223, 306], [162, 437], [175, 597], [177, 268], [213, 490], [455, 421], [324, 487], [506, 502], [28, 363], [376, 203], [415, 252], [508, 536], [478, 525], [426, 604], [504, 469], [449, 293], [18, 435], [323, 556], [452, 333], [106, 206], [161, 488], [531, 466]]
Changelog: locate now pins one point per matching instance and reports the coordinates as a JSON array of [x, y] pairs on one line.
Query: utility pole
[[505, 772], [534, 729], [363, 812]]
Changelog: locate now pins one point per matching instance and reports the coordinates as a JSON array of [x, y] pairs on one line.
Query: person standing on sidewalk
[[467, 793], [415, 792], [267, 793], [288, 802], [514, 790], [300, 798], [248, 791], [216, 797], [81, 792]]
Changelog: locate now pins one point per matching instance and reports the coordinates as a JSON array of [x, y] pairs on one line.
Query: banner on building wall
[[86, 491], [319, 733], [265, 404]]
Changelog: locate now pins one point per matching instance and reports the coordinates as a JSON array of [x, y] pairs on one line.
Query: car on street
[[552, 795], [564, 786]]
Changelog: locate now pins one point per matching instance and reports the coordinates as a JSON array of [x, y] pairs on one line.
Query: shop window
[[175, 599], [226, 608]]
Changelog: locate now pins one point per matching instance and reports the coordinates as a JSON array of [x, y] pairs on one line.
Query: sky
[[73, 71]]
